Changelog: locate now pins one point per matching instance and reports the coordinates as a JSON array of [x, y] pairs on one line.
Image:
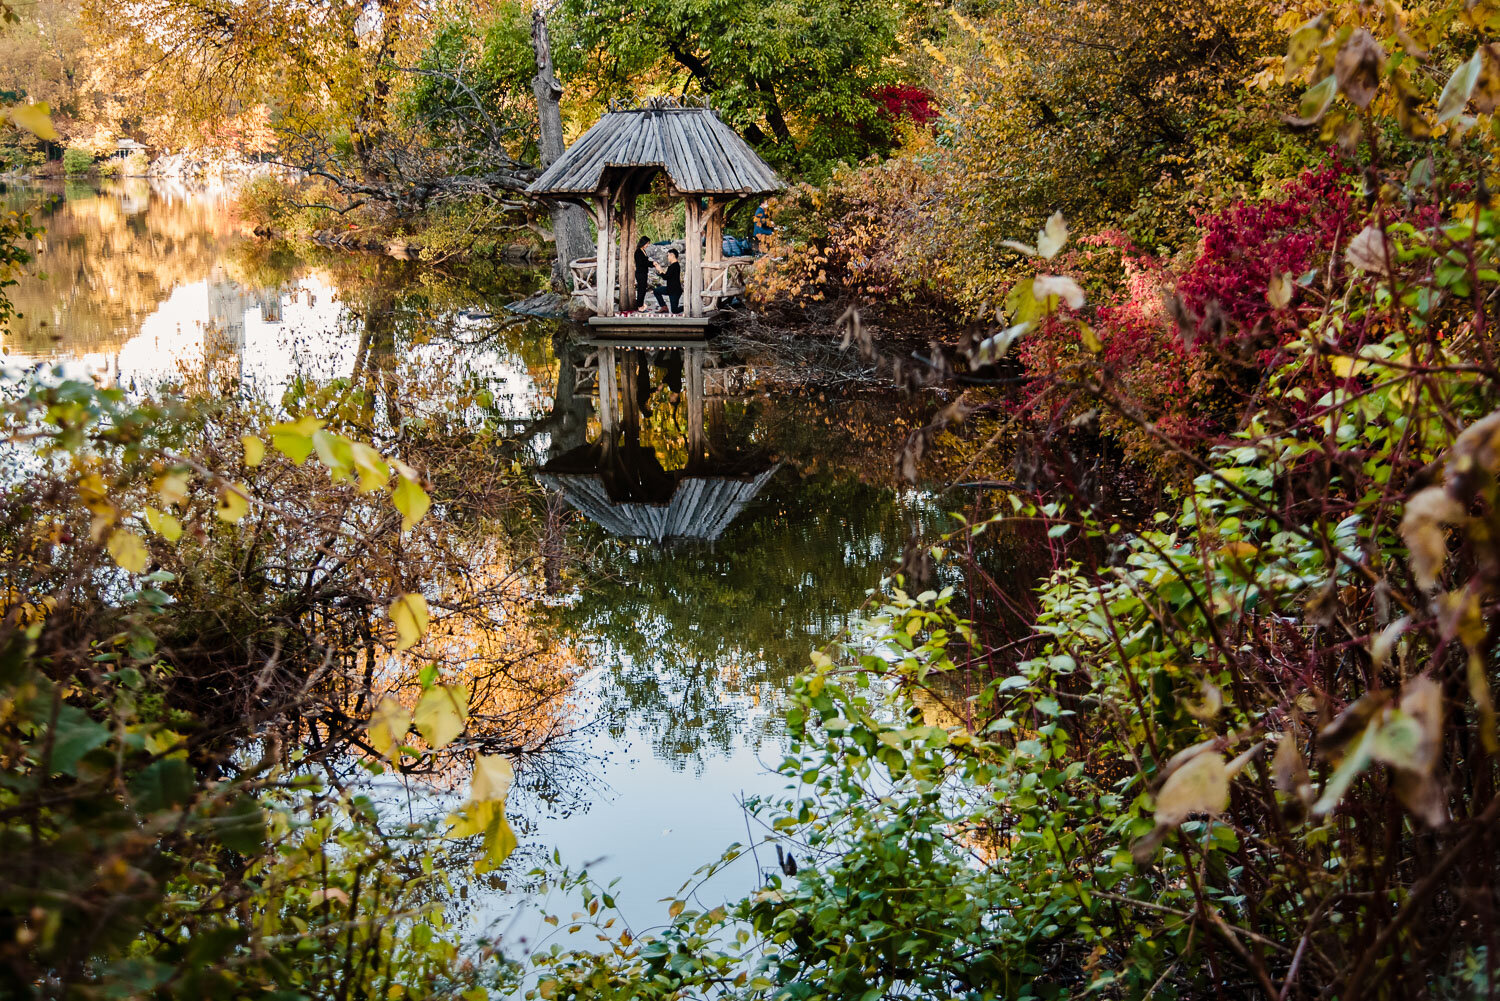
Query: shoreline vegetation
[[1193, 697]]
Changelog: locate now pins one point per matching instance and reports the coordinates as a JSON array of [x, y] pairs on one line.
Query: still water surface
[[683, 632]]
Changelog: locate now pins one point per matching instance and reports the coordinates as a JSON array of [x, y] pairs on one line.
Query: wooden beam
[[692, 379], [630, 384], [607, 391]]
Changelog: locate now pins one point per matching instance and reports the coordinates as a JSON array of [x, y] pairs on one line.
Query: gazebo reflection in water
[[625, 486]]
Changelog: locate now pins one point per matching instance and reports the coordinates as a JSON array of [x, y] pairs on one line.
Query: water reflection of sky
[[691, 647]]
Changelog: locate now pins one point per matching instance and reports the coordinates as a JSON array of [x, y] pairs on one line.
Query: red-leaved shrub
[[1151, 371], [1247, 245]]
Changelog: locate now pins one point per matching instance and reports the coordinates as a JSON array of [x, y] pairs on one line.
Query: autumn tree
[[797, 78]]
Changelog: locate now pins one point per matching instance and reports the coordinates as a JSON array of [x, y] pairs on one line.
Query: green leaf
[[242, 827], [486, 818], [163, 784], [441, 714], [1304, 43], [294, 439], [1317, 99], [335, 452], [74, 736], [1355, 762]]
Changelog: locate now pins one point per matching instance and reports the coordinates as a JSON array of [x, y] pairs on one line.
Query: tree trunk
[[569, 225]]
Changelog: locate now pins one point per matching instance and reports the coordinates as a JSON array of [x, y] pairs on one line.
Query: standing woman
[[642, 273], [672, 286]]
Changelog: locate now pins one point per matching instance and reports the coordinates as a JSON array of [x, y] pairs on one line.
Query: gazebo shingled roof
[[700, 154]]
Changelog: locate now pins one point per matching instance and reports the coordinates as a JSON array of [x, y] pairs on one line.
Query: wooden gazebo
[[613, 163]]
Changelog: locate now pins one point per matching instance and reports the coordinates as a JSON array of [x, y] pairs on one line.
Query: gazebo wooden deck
[[613, 163]]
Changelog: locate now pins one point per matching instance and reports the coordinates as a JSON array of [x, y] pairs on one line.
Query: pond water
[[737, 522]]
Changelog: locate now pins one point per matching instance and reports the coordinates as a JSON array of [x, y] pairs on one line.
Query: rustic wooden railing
[[724, 279], [585, 275]]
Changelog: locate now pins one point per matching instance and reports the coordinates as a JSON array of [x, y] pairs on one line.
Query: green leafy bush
[[77, 161]]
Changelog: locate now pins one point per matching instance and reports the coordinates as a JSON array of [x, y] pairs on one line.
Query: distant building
[[125, 147]]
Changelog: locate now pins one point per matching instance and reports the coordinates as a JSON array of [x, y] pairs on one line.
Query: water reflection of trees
[[107, 260]]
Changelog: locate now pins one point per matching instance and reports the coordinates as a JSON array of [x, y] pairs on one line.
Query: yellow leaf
[[294, 439], [388, 726], [409, 613], [411, 500], [233, 503], [128, 550], [374, 473], [34, 118], [1279, 292], [255, 450], [441, 714], [335, 452], [676, 908], [493, 776], [163, 524], [486, 818], [1090, 339], [173, 486], [1422, 530]]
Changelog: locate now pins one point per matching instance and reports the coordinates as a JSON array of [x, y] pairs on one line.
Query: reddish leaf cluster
[[1246, 246], [904, 100]]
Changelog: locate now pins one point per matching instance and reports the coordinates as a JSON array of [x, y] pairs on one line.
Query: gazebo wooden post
[[692, 264], [627, 250], [604, 221], [713, 238]]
